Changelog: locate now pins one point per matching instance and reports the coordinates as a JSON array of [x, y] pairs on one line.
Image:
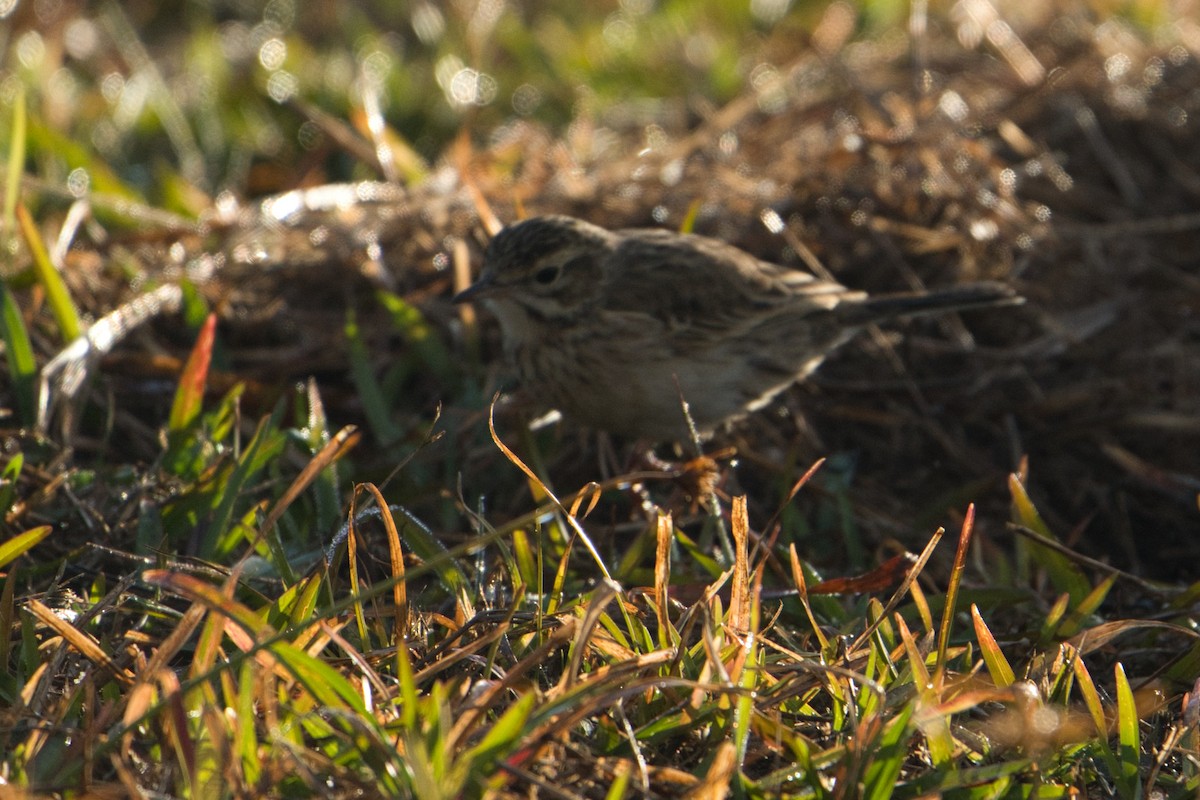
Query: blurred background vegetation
[[172, 102]]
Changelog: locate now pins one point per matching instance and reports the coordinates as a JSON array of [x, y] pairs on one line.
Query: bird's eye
[[547, 275]]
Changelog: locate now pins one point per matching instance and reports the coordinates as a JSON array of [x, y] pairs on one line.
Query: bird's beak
[[473, 292]]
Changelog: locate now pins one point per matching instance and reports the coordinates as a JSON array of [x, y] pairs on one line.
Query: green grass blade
[[46, 141], [1091, 698], [370, 393], [419, 335], [504, 736], [16, 158], [1074, 622], [22, 543], [22, 366], [880, 775], [57, 296], [328, 686], [259, 453], [1064, 574], [1129, 785], [997, 665], [8, 481]]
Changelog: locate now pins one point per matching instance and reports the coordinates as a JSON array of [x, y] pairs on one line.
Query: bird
[[616, 329]]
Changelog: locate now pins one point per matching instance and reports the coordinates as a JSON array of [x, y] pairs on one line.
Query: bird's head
[[541, 270]]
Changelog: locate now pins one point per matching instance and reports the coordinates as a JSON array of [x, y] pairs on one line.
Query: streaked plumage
[[612, 327]]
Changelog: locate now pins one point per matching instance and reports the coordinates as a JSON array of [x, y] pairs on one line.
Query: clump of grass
[[431, 679]]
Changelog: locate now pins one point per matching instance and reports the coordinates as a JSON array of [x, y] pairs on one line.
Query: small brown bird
[[612, 327]]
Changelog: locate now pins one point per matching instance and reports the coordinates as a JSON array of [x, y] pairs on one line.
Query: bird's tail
[[880, 308]]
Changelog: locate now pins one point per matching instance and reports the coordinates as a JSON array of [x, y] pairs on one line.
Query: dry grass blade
[[571, 520], [662, 578], [334, 450], [801, 586], [956, 574], [718, 782], [88, 647], [396, 562], [900, 592], [740, 601]]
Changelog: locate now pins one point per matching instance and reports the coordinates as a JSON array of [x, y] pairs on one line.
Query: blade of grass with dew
[[627, 641], [222, 421], [352, 570], [921, 604], [557, 596], [316, 435], [801, 585], [262, 450], [876, 669], [57, 296], [406, 681], [246, 704], [1061, 677], [22, 366], [177, 734]]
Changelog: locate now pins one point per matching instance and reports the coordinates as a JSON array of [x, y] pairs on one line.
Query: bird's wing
[[693, 282]]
